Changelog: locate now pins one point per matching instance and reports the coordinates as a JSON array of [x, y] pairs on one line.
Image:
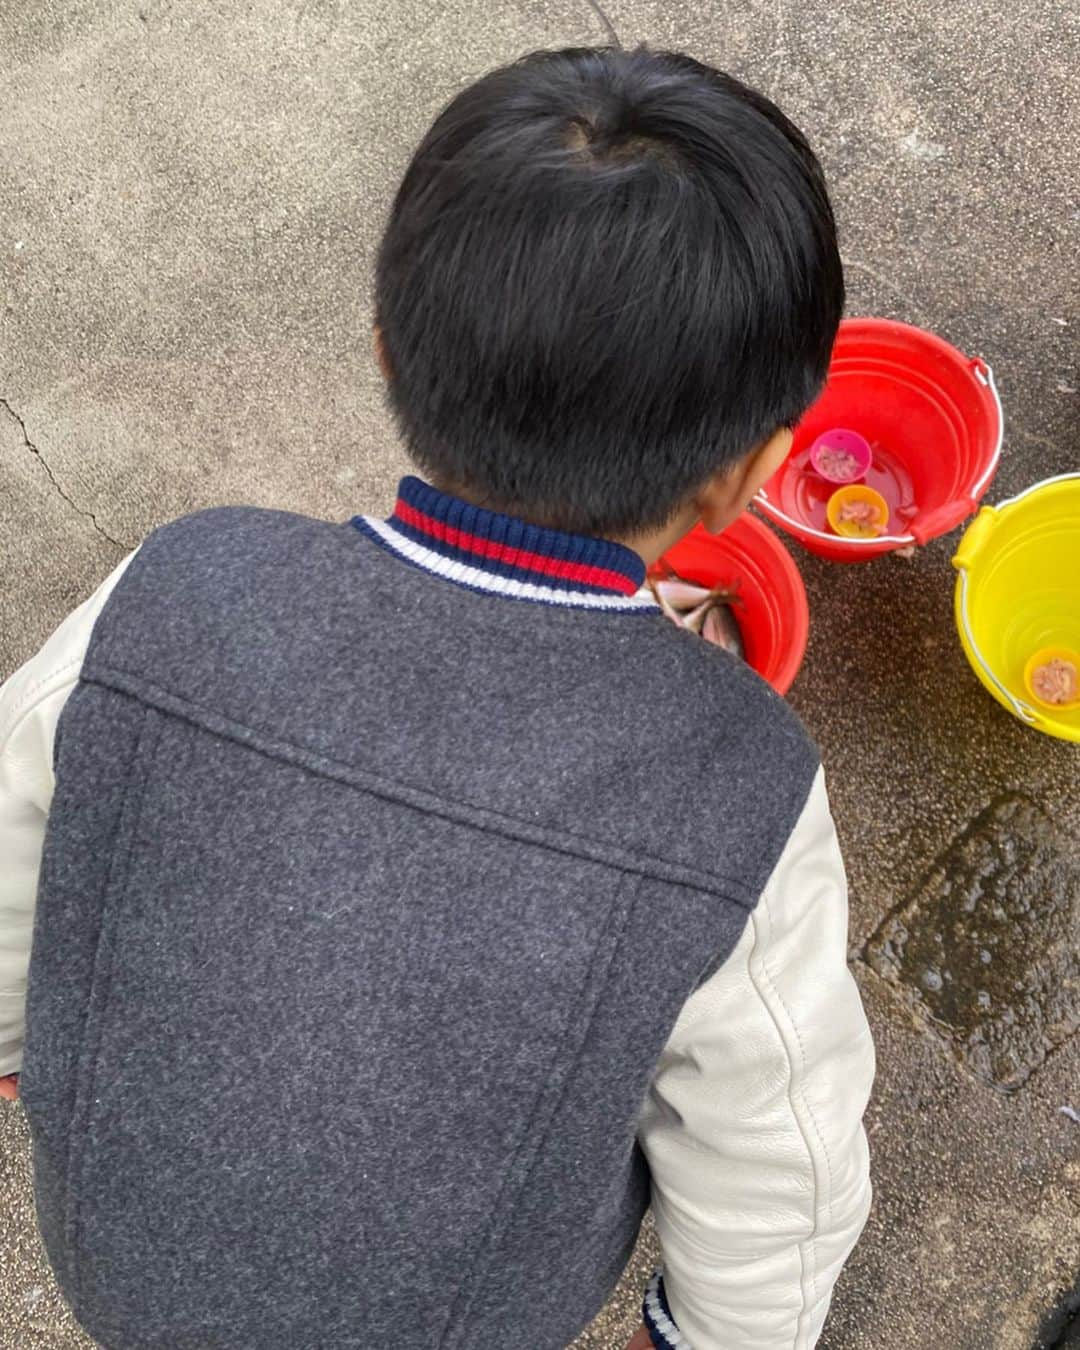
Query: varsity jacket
[[391, 910]]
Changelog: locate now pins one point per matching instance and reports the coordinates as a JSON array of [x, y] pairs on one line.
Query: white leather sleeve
[[753, 1125], [30, 705]]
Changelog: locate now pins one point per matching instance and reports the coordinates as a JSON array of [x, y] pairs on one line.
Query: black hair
[[607, 274]]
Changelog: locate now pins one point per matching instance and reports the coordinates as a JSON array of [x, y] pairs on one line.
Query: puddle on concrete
[[986, 950], [1060, 1328]]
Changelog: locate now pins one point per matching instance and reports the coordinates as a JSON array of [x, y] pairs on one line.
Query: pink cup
[[843, 442]]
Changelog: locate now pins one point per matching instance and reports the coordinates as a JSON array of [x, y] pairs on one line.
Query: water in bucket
[[934, 424]]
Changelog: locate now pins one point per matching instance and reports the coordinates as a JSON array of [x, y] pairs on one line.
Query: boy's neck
[[653, 544]]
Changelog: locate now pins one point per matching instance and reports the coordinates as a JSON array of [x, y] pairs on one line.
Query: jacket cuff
[[661, 1326]]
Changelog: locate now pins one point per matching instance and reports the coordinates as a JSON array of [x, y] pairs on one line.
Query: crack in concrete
[[81, 510], [883, 280], [609, 27], [776, 57]]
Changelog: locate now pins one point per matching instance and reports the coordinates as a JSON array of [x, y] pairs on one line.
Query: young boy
[[417, 901]]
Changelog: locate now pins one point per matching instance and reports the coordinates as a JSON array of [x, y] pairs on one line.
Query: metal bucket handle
[[985, 375], [1021, 709], [799, 527]]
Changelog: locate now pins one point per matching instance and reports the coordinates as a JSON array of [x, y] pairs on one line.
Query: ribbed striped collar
[[500, 555]]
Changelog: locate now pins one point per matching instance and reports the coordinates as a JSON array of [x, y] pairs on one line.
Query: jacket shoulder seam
[[483, 818]]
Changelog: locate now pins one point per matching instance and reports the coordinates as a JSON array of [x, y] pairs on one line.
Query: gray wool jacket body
[[362, 924]]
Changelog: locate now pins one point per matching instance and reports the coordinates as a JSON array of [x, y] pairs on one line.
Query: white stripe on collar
[[479, 580]]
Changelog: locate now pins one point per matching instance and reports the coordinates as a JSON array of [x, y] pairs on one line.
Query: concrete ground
[[190, 196]]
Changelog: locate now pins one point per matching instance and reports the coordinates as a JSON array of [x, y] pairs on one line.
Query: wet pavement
[[985, 952], [190, 196]]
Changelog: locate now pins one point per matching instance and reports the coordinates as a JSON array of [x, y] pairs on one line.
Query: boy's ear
[[382, 355], [728, 493]]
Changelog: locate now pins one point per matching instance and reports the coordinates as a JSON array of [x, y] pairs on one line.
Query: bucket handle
[[1019, 709], [799, 527], [985, 375]]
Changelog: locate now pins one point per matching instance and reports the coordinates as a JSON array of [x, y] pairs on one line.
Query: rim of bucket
[[789, 664], [982, 371], [791, 661], [1032, 717], [978, 365], [1037, 487]]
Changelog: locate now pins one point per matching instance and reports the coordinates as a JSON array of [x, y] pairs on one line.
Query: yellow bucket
[[1018, 592]]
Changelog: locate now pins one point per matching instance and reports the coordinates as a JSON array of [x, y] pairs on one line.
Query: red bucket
[[773, 619], [934, 423]]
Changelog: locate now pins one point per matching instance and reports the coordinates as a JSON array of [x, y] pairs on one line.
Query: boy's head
[[607, 277]]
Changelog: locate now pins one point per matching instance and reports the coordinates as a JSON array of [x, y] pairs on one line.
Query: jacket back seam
[[595, 982], [117, 884]]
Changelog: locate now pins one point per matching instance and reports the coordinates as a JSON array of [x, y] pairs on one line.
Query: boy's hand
[[9, 1086], [641, 1340]]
